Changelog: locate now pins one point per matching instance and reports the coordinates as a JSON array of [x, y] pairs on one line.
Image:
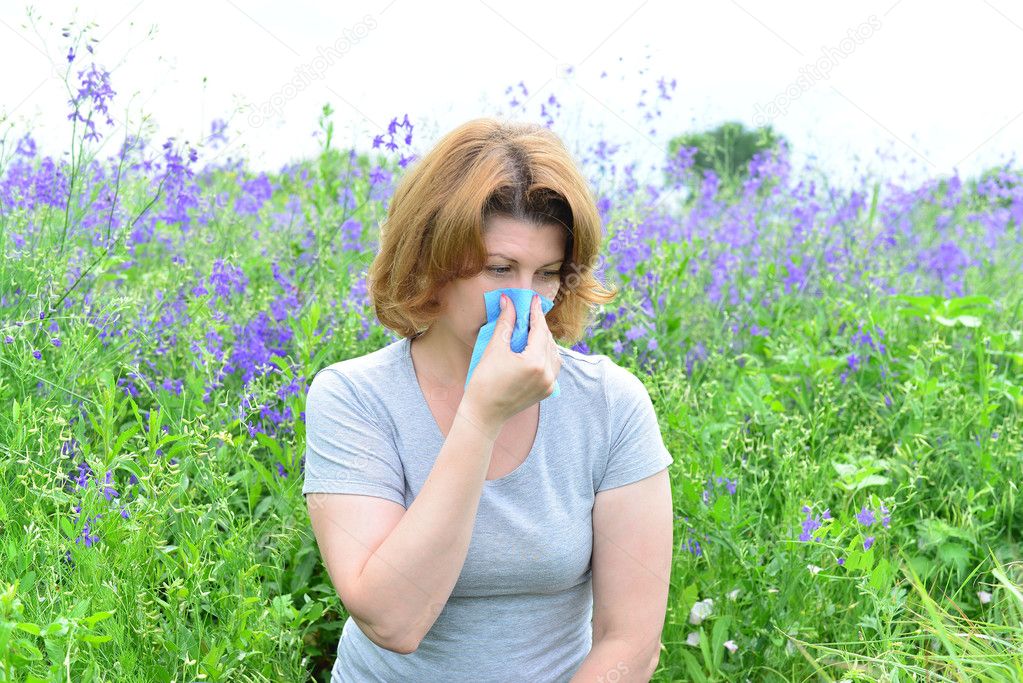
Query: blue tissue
[[521, 298]]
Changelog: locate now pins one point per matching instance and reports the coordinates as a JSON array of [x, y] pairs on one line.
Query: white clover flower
[[984, 596], [701, 611], [693, 639], [814, 569], [730, 644]]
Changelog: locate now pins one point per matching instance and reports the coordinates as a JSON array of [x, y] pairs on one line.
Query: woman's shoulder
[[590, 376], [378, 368], [596, 366], [600, 373]]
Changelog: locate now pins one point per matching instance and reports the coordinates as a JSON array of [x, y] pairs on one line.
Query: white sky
[[930, 86]]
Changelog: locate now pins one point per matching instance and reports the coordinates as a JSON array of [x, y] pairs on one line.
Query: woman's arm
[[410, 576], [632, 545]]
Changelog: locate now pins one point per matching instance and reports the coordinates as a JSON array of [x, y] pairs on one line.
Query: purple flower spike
[[810, 524], [866, 516]]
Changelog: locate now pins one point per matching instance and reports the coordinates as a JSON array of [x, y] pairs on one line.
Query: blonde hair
[[433, 232]]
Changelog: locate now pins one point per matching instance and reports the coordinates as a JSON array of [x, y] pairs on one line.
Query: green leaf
[[922, 302], [693, 667], [123, 437], [708, 660], [963, 303], [29, 627], [94, 619], [954, 554], [58, 627], [868, 481], [689, 597], [718, 637], [881, 574], [867, 560], [722, 509], [269, 443], [853, 554], [689, 493], [28, 651], [130, 465], [845, 470]]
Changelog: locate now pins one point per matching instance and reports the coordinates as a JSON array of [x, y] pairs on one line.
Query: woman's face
[[520, 254]]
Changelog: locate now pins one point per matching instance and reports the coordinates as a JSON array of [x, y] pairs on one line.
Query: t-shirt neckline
[[419, 398]]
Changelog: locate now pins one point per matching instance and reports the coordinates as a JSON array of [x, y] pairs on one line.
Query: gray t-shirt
[[523, 602]]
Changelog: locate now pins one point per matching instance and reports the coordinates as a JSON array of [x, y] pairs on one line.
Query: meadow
[[838, 373]]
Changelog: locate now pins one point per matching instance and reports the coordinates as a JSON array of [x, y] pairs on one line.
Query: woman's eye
[[500, 270]]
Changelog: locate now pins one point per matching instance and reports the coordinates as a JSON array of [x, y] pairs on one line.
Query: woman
[[488, 531]]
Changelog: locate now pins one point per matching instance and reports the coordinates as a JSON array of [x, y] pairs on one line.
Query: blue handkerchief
[[520, 298]]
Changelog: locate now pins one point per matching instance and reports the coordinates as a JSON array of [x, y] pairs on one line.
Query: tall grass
[[838, 375]]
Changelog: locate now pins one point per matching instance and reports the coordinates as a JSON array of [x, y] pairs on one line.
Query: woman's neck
[[441, 358]]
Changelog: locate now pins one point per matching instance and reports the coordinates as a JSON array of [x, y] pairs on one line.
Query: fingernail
[[502, 302]]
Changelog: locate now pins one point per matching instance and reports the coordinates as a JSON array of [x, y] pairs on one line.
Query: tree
[[726, 150]]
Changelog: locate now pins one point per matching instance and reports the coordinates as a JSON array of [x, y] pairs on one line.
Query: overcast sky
[[908, 87]]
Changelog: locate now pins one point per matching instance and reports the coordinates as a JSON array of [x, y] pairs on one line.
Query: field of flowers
[[839, 375]]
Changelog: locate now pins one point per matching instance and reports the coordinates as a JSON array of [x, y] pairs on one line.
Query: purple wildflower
[[109, 492], [866, 517], [82, 480], [810, 524]]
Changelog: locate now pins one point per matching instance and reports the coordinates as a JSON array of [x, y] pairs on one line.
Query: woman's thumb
[[505, 319]]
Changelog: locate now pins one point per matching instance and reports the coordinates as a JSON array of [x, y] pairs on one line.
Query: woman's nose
[[525, 283]]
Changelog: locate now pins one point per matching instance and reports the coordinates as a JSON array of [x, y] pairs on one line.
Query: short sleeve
[[637, 449], [346, 450]]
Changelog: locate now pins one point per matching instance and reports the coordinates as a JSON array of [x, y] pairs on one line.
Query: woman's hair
[[433, 232]]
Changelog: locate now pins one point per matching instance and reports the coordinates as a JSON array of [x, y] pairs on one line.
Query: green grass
[[193, 402]]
